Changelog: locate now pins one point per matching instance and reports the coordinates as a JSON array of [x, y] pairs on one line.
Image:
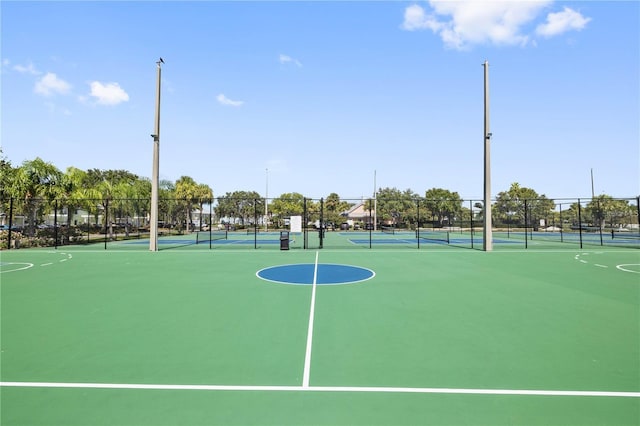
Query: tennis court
[[358, 336], [398, 239]]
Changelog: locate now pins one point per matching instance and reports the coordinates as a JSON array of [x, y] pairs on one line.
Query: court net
[[430, 234], [624, 235], [388, 229], [207, 236]]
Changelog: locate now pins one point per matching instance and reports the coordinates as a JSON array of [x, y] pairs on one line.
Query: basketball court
[[346, 336]]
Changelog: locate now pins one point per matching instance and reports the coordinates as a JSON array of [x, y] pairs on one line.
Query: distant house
[[358, 213]]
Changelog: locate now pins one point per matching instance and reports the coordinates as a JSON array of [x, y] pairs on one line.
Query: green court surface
[[445, 337]]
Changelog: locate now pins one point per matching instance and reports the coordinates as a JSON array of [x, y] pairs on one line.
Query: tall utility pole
[[155, 180], [487, 244]]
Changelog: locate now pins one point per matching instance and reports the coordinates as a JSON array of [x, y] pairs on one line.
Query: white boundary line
[[29, 265], [371, 389], [621, 267], [307, 357]]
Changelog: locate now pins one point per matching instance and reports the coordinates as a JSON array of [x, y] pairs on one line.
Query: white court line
[[622, 268], [372, 389], [29, 265], [307, 357]]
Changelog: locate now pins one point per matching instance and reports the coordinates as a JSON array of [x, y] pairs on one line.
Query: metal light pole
[[155, 180], [488, 234]]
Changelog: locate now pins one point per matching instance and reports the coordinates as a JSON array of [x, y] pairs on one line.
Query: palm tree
[[68, 192], [35, 184], [204, 195], [334, 207], [110, 194], [186, 192], [6, 177], [106, 189], [140, 200], [167, 208]]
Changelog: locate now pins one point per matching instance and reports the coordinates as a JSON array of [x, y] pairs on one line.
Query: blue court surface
[[321, 274]]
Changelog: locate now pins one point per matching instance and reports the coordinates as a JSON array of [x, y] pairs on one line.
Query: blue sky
[[324, 93]]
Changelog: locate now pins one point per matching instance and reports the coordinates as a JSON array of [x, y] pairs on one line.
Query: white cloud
[[223, 100], [26, 69], [561, 22], [461, 24], [50, 84], [415, 18], [285, 59], [109, 93]]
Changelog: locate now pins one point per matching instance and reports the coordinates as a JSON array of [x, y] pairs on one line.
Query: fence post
[[106, 223], [321, 222], [89, 225], [55, 225], [561, 223], [638, 209], [471, 220], [526, 232], [10, 223], [600, 220], [371, 224], [255, 223], [305, 221], [580, 222], [418, 222]]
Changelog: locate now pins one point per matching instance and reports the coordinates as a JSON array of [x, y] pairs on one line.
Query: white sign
[[296, 224]]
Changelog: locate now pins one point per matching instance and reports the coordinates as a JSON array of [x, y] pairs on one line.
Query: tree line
[[37, 187]]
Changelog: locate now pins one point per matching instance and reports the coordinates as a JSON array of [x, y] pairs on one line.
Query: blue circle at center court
[[327, 274]]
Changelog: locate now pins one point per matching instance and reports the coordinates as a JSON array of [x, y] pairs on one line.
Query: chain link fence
[[320, 223]]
